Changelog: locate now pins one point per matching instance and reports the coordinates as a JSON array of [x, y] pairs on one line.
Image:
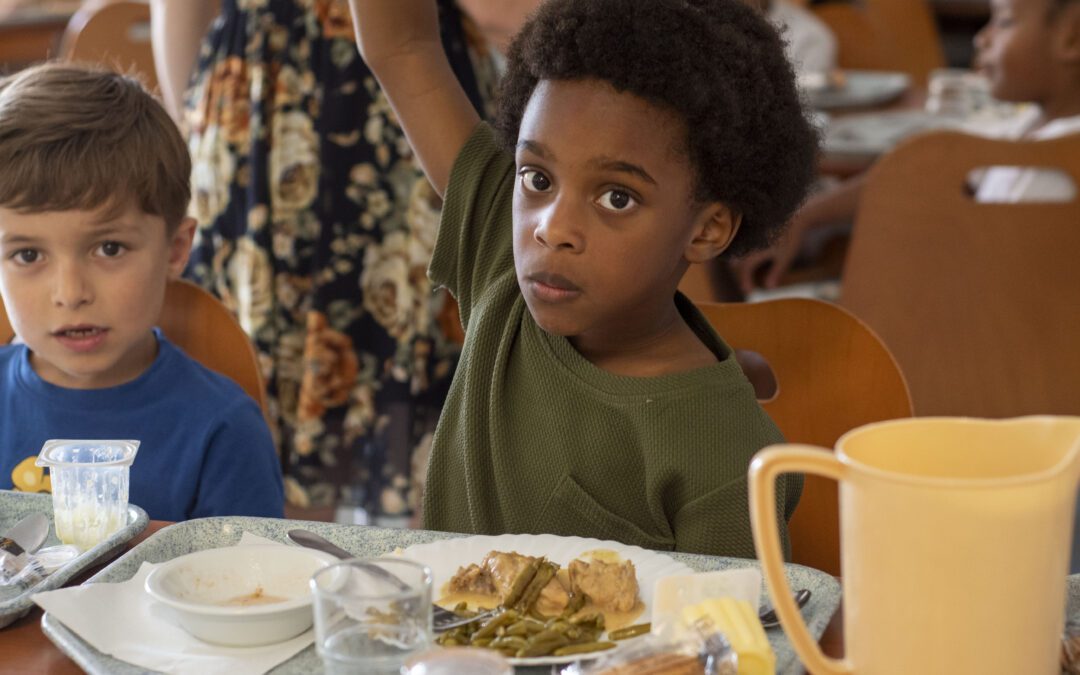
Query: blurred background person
[[315, 226]]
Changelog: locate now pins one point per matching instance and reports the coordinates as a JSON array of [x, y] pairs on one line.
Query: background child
[[1030, 52], [93, 192], [808, 42], [649, 135]]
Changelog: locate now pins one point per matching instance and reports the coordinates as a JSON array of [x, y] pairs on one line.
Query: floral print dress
[[316, 227]]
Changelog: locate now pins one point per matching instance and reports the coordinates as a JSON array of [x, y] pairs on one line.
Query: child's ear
[[714, 232], [180, 247], [1067, 35]]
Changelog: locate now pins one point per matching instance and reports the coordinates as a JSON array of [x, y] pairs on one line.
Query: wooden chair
[[115, 34], [833, 374], [980, 303], [205, 329], [897, 35]]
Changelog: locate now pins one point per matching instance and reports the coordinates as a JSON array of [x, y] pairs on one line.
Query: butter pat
[[671, 594], [738, 621]]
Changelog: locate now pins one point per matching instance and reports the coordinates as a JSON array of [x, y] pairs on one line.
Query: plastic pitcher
[[954, 538], [89, 487]]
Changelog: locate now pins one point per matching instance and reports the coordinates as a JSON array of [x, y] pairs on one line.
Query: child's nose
[[556, 228], [71, 288]]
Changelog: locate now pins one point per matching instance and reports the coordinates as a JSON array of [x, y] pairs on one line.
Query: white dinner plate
[[445, 557], [860, 88]]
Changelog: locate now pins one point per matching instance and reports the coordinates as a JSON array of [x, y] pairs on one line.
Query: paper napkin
[[141, 631]]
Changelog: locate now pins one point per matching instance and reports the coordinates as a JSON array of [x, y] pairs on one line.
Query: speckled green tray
[[194, 535], [15, 600]]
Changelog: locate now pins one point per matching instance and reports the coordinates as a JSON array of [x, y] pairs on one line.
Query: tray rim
[[14, 608], [825, 601]]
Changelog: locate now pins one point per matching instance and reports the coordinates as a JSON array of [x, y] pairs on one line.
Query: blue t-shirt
[[205, 448]]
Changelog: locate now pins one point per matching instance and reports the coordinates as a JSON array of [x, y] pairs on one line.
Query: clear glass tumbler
[[371, 614], [89, 487]]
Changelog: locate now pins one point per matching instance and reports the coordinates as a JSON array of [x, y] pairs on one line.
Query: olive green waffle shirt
[[535, 439]]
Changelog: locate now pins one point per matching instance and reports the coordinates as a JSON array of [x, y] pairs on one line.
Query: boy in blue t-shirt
[[93, 194]]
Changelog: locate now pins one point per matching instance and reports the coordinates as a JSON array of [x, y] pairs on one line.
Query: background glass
[[957, 92], [371, 614]]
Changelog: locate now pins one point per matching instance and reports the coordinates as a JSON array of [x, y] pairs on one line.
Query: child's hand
[[400, 42], [778, 258]]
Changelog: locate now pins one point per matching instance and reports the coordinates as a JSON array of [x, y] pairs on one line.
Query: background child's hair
[[717, 63], [79, 138]]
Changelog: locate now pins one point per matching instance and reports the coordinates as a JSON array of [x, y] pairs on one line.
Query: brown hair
[[77, 138]]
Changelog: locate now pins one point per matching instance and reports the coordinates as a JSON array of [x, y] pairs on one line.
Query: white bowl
[[240, 595]]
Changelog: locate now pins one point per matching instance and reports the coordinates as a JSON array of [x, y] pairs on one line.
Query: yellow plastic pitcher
[[955, 539]]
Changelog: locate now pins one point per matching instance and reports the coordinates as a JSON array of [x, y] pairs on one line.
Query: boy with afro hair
[[634, 138]]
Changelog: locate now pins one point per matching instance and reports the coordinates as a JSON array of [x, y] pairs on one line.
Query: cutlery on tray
[[768, 616]]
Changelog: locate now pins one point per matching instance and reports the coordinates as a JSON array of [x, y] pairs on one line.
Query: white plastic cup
[[89, 487]]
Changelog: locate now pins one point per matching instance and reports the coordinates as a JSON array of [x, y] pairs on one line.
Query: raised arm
[[399, 40], [177, 28]]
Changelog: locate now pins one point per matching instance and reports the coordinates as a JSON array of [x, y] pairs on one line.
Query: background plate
[[861, 88], [15, 600], [195, 535]]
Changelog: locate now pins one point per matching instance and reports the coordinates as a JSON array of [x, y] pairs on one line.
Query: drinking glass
[[956, 92], [371, 614]]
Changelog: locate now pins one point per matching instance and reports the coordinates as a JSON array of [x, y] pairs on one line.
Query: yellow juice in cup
[[87, 525]]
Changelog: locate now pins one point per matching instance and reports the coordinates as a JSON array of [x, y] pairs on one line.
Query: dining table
[[26, 649]]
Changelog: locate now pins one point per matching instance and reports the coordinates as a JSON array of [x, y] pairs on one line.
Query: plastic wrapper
[[709, 654]]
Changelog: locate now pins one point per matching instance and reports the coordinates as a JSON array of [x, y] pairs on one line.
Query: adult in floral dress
[[316, 228]]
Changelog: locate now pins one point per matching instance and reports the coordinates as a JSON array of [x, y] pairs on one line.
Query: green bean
[[582, 648], [545, 572], [493, 624], [541, 647], [630, 631], [525, 627], [548, 634], [509, 642], [577, 601], [596, 618], [521, 582]]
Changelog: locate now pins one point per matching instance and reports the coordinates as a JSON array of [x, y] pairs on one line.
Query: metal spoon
[[768, 616]]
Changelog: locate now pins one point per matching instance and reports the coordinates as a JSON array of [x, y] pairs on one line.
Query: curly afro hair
[[717, 63]]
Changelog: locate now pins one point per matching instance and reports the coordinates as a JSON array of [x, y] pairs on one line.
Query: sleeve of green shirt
[[475, 238]]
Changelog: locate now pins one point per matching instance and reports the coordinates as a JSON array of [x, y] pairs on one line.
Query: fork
[[442, 619]]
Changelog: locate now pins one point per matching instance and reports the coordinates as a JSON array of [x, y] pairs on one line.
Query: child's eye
[[111, 249], [26, 256], [534, 181], [616, 200]]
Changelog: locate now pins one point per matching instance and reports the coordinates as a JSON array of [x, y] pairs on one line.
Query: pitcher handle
[[767, 465]]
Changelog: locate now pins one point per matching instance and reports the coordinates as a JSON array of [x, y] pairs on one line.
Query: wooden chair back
[[833, 374], [897, 35], [980, 303], [114, 33], [205, 329]]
